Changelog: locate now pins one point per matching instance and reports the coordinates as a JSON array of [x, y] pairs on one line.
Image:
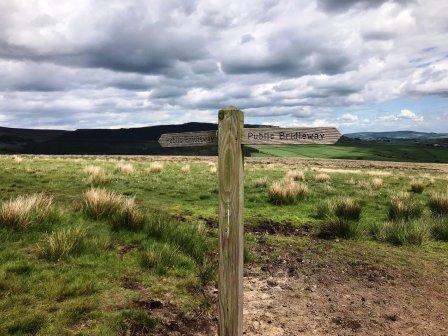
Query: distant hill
[[126, 141], [395, 135]]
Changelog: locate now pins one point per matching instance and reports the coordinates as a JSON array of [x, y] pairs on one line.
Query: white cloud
[[403, 115]]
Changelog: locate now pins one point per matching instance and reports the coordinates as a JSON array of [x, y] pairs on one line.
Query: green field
[[149, 268], [401, 151]]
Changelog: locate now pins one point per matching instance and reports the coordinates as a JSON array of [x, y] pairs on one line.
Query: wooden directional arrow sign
[[256, 136]]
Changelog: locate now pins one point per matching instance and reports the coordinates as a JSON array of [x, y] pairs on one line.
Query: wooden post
[[231, 178]]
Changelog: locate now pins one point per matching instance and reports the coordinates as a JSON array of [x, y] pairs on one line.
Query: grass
[[347, 209], [417, 187], [61, 244], [125, 168], [322, 178], [53, 281], [287, 192], [21, 212], [96, 176], [403, 207], [155, 167], [438, 203]]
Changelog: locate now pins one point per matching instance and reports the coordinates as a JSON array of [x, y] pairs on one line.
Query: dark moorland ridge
[[142, 141]]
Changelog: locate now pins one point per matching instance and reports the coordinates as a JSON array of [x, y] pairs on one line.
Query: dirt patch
[[281, 228]]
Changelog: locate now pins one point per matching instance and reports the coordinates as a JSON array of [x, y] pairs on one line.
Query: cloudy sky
[[356, 64]]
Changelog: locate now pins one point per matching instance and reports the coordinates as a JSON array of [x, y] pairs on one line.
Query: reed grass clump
[[122, 212], [155, 167], [295, 175], [339, 228], [96, 176], [21, 212], [347, 209], [186, 169], [287, 192], [325, 209], [17, 159], [377, 183], [403, 207], [261, 182], [322, 178], [125, 168], [61, 244], [162, 258], [417, 186], [406, 232], [438, 203], [439, 228]]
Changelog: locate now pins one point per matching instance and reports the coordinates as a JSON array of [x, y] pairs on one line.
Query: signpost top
[[257, 136]]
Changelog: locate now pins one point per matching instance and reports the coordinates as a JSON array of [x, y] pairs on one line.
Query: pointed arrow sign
[[256, 136]]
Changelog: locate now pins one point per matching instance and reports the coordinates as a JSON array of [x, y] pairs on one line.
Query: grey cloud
[[343, 5]]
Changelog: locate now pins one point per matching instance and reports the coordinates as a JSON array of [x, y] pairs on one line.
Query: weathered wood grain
[[189, 139], [283, 136], [231, 177], [257, 136]]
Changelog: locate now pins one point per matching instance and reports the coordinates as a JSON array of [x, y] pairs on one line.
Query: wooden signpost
[[230, 138]]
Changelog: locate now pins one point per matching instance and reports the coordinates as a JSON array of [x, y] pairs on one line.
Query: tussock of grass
[[287, 192], [439, 228], [417, 187], [96, 175], [186, 169], [125, 168], [21, 212], [364, 185], [17, 159], [403, 232], [339, 228], [261, 182], [61, 244], [155, 167], [161, 258], [121, 211], [347, 209], [325, 209], [377, 183], [322, 178], [213, 169], [403, 207], [295, 175], [438, 203], [186, 236]]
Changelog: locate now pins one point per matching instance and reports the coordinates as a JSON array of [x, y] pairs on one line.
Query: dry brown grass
[[287, 192], [403, 207], [347, 209], [377, 183], [155, 167], [295, 175], [18, 213], [96, 175], [438, 203], [322, 178], [186, 169], [125, 168], [17, 159], [261, 182], [213, 169], [417, 186], [120, 210]]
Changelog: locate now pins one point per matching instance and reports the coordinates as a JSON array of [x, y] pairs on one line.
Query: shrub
[[325, 209], [402, 207], [185, 169], [322, 178], [377, 183], [339, 228], [20, 212], [438, 203], [261, 182], [295, 175], [439, 228], [125, 168], [402, 232], [60, 244], [121, 211], [347, 209], [417, 187], [287, 192], [163, 257], [155, 167]]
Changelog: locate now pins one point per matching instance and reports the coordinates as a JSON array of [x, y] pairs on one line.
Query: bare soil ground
[[293, 296]]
